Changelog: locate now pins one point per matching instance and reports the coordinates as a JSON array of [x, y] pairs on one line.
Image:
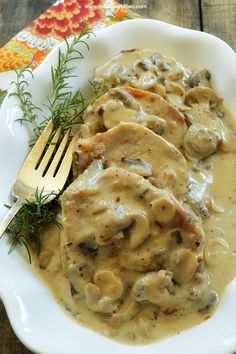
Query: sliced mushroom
[[215, 252], [102, 296], [176, 75], [195, 293], [175, 215], [111, 222], [199, 286], [139, 230], [163, 210], [143, 65], [199, 78], [96, 302], [153, 288], [157, 124], [158, 89], [175, 94], [110, 109], [200, 141], [177, 101], [92, 293], [114, 112], [183, 264], [125, 97], [208, 302], [146, 80], [162, 63], [202, 95], [212, 205], [114, 75], [109, 285]]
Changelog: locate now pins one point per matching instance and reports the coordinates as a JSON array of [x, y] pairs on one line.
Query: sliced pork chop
[[142, 68], [137, 149], [100, 204], [127, 104], [108, 212]]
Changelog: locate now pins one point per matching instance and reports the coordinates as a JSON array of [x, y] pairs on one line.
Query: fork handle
[[9, 216]]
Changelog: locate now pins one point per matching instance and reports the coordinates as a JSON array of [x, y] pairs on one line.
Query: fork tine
[[43, 164], [57, 157], [38, 148], [64, 168]]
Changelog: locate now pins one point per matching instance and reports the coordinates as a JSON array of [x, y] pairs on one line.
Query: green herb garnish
[[27, 226], [64, 108], [29, 110]]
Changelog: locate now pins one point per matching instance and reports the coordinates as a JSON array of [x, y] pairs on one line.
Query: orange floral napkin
[[63, 18]]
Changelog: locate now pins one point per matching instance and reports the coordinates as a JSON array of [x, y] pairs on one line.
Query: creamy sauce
[[170, 248]]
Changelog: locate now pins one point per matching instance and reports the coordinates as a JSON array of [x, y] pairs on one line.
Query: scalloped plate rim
[[17, 298]]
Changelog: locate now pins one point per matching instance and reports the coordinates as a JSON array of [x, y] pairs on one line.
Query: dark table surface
[[214, 16]]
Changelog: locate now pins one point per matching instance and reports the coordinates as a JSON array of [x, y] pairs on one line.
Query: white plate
[[35, 316]]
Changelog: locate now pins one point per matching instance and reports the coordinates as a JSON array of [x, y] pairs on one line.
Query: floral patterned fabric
[[63, 18]]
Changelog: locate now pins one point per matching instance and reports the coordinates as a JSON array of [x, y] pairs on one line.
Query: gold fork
[[41, 172]]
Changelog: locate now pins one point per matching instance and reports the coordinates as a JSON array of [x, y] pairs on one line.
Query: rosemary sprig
[[64, 108], [29, 223], [28, 108]]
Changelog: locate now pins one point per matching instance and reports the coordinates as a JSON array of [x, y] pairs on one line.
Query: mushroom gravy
[[148, 242]]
